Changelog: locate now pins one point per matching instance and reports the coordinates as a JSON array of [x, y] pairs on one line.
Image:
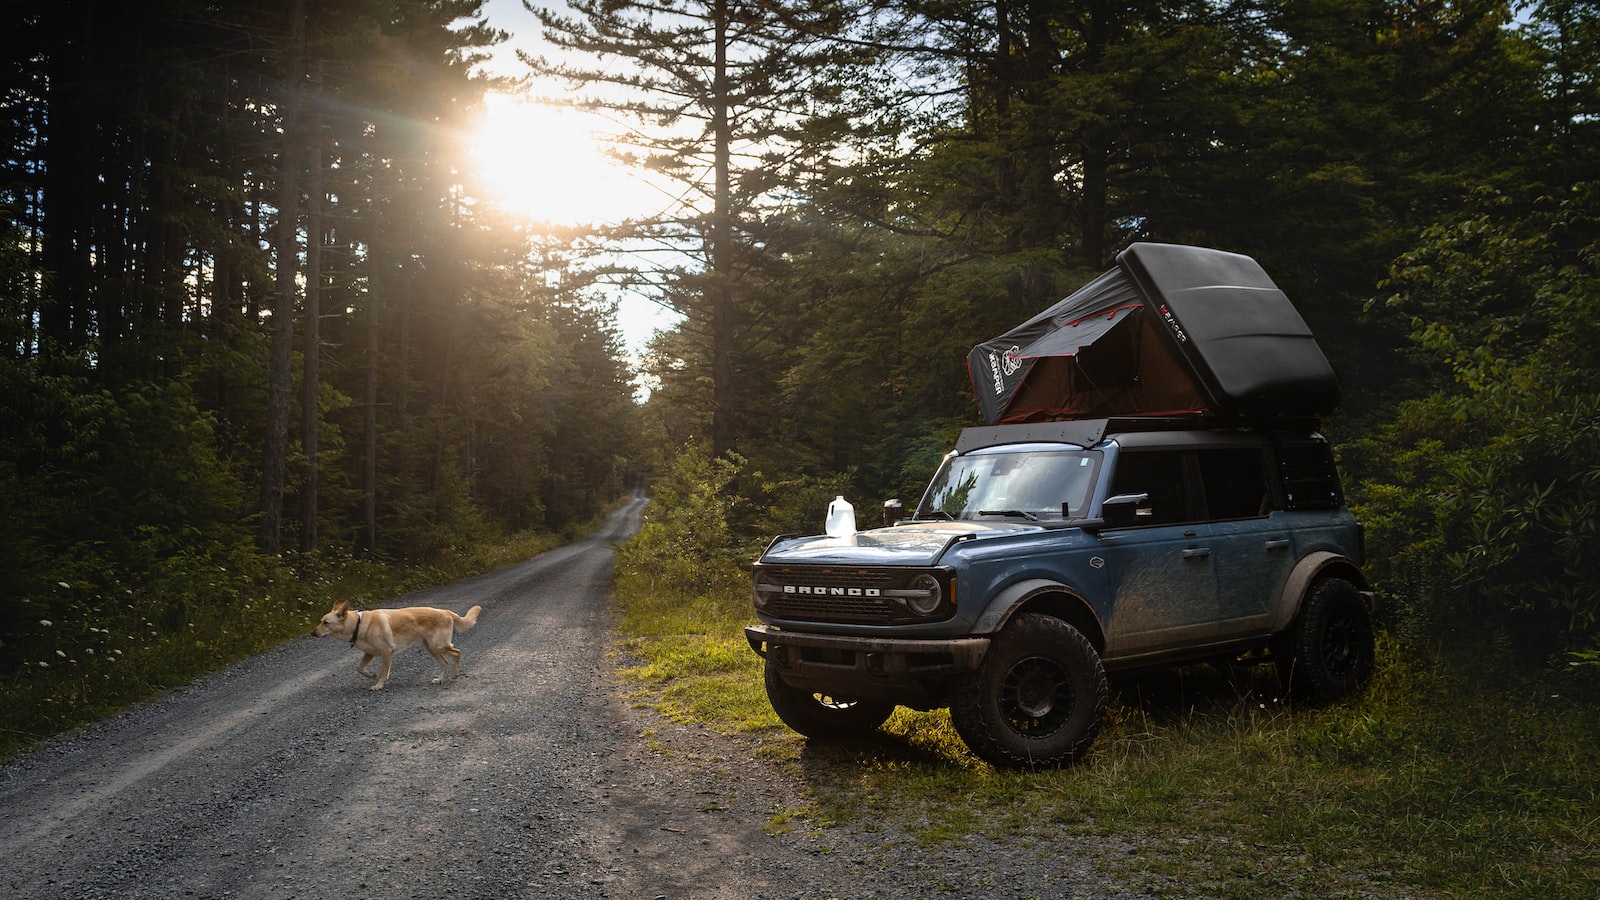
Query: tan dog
[[381, 633]]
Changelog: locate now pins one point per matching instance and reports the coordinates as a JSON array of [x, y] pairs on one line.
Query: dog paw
[[376, 687], [438, 681]]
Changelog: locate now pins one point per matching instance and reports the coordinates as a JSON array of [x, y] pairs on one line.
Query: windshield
[[1033, 484]]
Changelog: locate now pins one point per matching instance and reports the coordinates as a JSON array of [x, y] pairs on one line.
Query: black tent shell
[[1172, 330]]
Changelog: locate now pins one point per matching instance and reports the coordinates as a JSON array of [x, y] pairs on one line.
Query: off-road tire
[[1328, 651], [1037, 699], [821, 716]]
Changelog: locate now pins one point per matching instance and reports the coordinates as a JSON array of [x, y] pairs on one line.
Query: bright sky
[[545, 163], [549, 164]]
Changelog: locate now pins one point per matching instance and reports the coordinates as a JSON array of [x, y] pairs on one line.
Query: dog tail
[[468, 620]]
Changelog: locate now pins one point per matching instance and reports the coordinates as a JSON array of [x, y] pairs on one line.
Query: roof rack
[[1088, 432]]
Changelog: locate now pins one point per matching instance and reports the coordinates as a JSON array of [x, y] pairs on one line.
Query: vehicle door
[[1162, 576], [1251, 544]]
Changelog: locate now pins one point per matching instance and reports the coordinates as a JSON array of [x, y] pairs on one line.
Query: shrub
[[1485, 496]]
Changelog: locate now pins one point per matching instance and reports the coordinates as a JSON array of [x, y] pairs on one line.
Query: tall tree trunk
[[311, 376], [1096, 193], [69, 161], [368, 543], [1096, 148], [1002, 83], [381, 281], [274, 459], [720, 284]]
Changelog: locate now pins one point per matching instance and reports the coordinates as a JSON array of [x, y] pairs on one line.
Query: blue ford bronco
[[1044, 555], [1150, 487]]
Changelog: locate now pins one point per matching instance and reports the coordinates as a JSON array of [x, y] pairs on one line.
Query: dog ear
[[342, 607]]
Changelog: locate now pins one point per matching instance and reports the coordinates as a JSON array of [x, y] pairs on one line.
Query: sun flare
[[547, 164]]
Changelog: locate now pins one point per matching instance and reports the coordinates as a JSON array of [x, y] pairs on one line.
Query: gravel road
[[283, 776]]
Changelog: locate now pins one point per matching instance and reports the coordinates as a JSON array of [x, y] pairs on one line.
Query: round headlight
[[759, 590], [925, 595]]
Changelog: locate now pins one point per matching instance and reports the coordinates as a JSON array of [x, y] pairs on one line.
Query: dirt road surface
[[284, 777]]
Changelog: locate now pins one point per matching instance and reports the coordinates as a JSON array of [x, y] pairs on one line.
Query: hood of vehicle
[[916, 544]]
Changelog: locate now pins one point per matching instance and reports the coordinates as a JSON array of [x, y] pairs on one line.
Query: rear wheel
[[823, 716], [1328, 652], [1037, 698]]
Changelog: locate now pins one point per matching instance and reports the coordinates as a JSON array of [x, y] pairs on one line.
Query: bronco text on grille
[[854, 596], [831, 591]]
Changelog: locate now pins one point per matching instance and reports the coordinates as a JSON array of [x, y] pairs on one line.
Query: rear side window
[[1310, 479], [1235, 483]]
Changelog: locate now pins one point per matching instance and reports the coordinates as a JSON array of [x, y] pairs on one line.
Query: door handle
[[1278, 544], [1197, 553]]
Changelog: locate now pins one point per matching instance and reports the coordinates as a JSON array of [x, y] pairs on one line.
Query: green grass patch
[[1427, 783], [689, 658]]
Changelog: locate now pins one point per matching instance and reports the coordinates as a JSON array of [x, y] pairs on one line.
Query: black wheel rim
[[1036, 697], [1342, 644]]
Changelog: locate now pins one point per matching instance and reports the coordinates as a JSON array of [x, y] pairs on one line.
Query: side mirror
[[892, 510], [1120, 511]]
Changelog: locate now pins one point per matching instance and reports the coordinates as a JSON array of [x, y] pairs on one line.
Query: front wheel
[[823, 716], [1328, 651], [1037, 698]]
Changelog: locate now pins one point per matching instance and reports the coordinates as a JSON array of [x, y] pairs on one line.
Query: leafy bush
[[710, 517], [1483, 499], [107, 495], [686, 545]]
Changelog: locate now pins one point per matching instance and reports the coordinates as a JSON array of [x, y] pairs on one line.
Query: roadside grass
[[1429, 783], [688, 657], [120, 647]]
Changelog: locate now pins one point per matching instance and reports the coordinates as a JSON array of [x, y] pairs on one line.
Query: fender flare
[[1305, 573], [1005, 604]]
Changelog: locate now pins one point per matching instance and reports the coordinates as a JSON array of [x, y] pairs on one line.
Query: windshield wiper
[[1009, 512], [933, 513]]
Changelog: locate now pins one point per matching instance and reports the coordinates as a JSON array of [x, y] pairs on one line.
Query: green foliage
[[106, 492], [1483, 497], [685, 579], [686, 546]]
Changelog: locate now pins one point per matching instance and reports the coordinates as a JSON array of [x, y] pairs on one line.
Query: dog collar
[[357, 633]]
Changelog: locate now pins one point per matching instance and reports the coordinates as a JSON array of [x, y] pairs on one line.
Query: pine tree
[[730, 100]]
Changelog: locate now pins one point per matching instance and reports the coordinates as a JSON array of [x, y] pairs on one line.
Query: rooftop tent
[[1171, 330]]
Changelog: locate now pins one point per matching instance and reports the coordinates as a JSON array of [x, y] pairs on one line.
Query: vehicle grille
[[833, 595]]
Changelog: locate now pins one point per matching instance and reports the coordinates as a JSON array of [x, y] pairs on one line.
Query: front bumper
[[910, 672]]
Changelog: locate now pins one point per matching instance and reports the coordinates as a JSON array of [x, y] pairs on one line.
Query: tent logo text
[[1172, 322]]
